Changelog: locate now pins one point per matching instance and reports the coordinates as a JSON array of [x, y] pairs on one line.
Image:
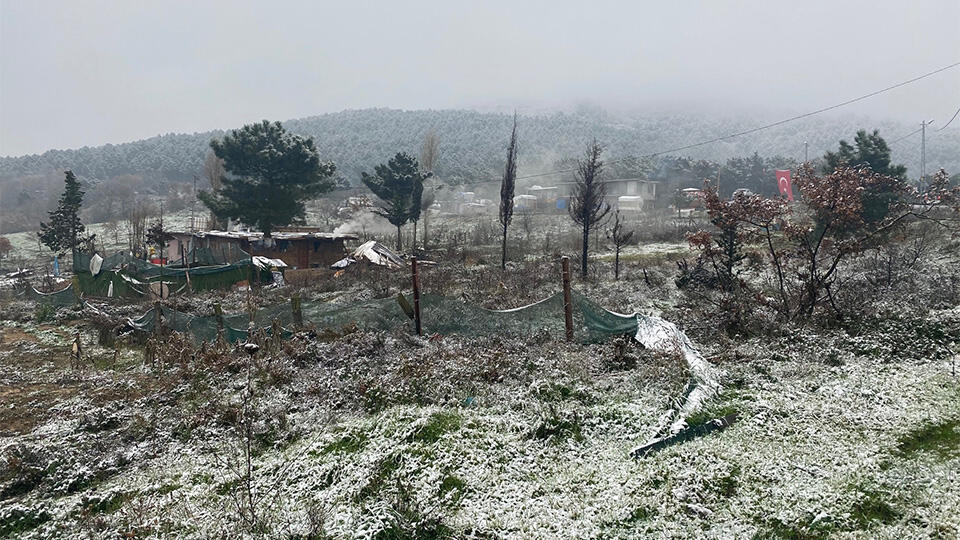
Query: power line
[[912, 133], [951, 120], [761, 128]]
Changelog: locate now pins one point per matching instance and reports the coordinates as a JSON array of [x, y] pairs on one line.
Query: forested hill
[[472, 143]]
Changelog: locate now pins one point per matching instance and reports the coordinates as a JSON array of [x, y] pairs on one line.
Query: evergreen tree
[[868, 149], [871, 150], [271, 174], [399, 186], [507, 187], [65, 229], [587, 205]]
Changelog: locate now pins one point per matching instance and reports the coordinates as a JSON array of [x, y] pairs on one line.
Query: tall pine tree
[[272, 173], [64, 230], [399, 186]]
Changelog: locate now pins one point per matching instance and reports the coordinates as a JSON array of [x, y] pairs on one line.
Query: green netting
[[131, 277], [64, 297], [200, 327], [124, 286], [439, 315]]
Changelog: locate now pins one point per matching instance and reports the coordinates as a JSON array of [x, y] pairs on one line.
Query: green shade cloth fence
[[440, 315], [131, 277]]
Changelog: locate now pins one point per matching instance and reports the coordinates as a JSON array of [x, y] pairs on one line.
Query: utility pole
[[923, 151], [805, 160]]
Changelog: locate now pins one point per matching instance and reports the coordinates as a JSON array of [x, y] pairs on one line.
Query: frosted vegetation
[[848, 430]]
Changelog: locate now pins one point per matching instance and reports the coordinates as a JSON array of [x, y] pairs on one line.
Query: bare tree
[[588, 205], [428, 159], [507, 187], [214, 172], [137, 226], [620, 237]]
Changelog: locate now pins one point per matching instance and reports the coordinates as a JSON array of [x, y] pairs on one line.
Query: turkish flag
[[783, 182]]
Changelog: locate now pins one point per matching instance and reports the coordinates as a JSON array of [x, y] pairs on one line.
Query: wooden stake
[[218, 310], [297, 312], [416, 295], [567, 303]]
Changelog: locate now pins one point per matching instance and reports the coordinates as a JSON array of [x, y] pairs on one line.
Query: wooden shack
[[301, 247]]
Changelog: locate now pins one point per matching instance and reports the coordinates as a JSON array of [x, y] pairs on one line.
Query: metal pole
[[567, 303], [416, 295]]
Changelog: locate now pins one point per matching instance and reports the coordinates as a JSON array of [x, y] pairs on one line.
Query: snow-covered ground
[[507, 439]]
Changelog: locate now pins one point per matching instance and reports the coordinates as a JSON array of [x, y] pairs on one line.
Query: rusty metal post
[[416, 295], [567, 302]]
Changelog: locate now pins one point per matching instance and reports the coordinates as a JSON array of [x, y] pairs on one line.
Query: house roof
[[256, 236], [619, 180]]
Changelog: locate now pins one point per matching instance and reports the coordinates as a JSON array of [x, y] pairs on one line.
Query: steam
[[365, 223]]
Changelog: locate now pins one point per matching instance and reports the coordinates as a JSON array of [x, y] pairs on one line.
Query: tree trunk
[[399, 245], [503, 254], [616, 264], [426, 220], [415, 235], [583, 255]]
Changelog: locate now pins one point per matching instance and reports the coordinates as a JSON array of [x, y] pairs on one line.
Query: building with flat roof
[[298, 247]]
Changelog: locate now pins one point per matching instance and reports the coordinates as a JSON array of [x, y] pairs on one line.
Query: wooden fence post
[[567, 303], [218, 310], [297, 311], [416, 295]]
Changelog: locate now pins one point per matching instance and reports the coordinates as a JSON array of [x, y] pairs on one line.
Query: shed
[[303, 248]]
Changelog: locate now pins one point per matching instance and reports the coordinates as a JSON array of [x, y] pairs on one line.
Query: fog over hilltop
[[85, 73]]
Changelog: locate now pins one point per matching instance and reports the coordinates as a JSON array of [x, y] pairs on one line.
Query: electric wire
[[951, 120], [763, 127]]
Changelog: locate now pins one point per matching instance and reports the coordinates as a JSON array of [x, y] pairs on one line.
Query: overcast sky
[[80, 72]]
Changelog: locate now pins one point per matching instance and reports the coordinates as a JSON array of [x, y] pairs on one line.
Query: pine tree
[[399, 186], [588, 206], [272, 173], [65, 229]]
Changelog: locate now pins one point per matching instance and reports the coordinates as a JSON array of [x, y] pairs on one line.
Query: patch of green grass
[[18, 521], [348, 444], [201, 478], [637, 515], [44, 313], [108, 504], [436, 426], [710, 413], [227, 487], [168, 488], [872, 508], [805, 529], [557, 425], [726, 485], [454, 486], [557, 391], [940, 439], [379, 476]]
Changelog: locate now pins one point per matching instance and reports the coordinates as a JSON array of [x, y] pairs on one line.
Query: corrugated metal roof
[[255, 236]]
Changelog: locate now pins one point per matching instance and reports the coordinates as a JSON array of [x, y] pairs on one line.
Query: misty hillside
[[471, 149], [472, 143]]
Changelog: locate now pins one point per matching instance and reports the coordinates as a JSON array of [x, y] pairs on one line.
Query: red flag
[[783, 181]]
